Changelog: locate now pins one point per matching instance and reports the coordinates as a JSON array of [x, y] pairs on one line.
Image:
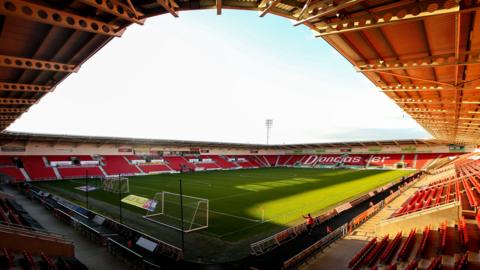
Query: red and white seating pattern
[[38, 168], [115, 165], [79, 172], [151, 168], [462, 186]]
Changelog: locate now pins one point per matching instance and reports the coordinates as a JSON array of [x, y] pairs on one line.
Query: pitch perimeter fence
[[283, 237]]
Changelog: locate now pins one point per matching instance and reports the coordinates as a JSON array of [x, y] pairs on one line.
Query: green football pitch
[[243, 203]]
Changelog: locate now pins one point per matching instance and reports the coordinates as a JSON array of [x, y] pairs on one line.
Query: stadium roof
[[24, 138], [424, 55]]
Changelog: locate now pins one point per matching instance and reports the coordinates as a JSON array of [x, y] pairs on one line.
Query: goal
[[116, 184], [168, 211]]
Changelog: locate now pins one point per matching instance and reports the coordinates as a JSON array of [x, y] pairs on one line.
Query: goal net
[[168, 211], [116, 185]]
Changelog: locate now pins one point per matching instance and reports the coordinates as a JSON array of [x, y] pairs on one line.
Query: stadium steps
[[366, 231], [168, 166], [267, 164], [136, 166], [260, 161], [288, 160], [103, 171], [57, 173], [25, 174], [139, 169]]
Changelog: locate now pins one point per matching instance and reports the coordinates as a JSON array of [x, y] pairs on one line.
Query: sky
[[218, 78]]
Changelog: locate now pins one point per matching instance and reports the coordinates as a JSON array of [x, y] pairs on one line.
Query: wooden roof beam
[[4, 110], [412, 78], [427, 110], [431, 90], [20, 87], [268, 5], [126, 12], [437, 102], [304, 9], [419, 63], [218, 5], [329, 10], [17, 101], [170, 6], [28, 63], [43, 14], [8, 117], [410, 12], [427, 116]]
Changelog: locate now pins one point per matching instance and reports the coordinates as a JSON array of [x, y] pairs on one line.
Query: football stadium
[[73, 201]]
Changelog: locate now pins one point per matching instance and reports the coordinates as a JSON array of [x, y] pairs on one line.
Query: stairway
[[366, 231], [103, 171], [57, 173], [25, 174]]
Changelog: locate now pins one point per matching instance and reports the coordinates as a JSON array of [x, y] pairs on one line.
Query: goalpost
[[168, 211], [116, 184]]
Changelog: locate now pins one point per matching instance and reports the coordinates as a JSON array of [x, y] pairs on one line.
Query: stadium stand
[[409, 160], [431, 248], [294, 160], [385, 160], [115, 165], [270, 160], [79, 172], [152, 168], [222, 162], [13, 172], [176, 163], [283, 160], [37, 169], [422, 160]]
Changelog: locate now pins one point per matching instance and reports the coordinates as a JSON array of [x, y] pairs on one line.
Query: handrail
[[18, 226], [36, 235]]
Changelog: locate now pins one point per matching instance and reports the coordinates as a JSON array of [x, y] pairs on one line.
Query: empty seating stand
[[428, 251], [153, 168], [424, 159], [13, 172], [116, 165], [80, 172], [222, 162], [177, 162], [37, 169]]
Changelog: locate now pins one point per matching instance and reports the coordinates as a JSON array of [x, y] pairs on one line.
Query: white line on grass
[[230, 196], [235, 216], [265, 176]]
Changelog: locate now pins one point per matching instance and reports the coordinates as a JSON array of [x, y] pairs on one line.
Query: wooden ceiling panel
[[440, 32], [20, 37], [404, 44]]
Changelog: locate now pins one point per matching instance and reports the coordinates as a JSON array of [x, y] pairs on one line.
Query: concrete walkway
[[93, 256]]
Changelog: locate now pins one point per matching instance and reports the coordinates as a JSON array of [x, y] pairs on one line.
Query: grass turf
[[240, 199]]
